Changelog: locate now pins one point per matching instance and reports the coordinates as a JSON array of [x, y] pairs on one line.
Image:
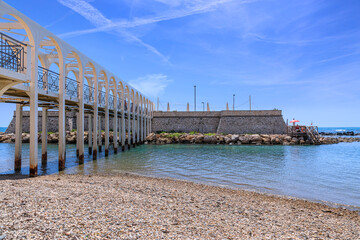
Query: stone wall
[[53, 122], [235, 122]]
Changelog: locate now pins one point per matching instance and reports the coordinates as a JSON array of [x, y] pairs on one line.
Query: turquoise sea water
[[319, 173], [3, 129]]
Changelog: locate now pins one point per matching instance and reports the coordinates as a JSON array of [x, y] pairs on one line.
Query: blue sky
[[302, 57]]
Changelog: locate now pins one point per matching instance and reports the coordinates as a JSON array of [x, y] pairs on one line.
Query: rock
[[244, 139], [255, 138], [210, 139]]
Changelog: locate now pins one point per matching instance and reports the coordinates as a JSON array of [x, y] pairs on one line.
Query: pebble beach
[[126, 206]]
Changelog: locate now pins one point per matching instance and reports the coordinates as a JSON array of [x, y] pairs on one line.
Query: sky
[[302, 57]]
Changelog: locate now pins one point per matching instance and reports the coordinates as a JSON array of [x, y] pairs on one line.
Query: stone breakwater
[[233, 139], [52, 137], [197, 138]]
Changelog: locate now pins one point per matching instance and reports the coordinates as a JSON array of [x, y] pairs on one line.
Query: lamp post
[[233, 102], [203, 106], [195, 98]]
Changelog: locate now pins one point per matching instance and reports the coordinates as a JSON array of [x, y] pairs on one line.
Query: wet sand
[[127, 206]]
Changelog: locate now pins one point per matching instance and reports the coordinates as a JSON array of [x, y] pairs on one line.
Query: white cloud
[[189, 9], [151, 85], [95, 17]]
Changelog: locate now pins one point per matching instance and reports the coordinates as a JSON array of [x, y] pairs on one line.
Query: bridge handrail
[[12, 53]]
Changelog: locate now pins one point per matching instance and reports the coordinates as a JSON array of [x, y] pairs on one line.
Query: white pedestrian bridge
[[28, 52]]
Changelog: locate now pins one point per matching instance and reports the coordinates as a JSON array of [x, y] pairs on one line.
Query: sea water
[[319, 173]]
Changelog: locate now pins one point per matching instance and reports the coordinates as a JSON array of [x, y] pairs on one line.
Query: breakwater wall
[[235, 122], [52, 122]]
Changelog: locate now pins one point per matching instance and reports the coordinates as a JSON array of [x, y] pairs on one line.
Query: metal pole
[[195, 98], [233, 102], [203, 106], [157, 104], [250, 102]]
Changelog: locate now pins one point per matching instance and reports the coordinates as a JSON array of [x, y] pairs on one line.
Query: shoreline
[[133, 205]]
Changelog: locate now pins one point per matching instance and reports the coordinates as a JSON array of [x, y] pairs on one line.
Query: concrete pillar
[[134, 123], [137, 122], [18, 137], [129, 123], [168, 107], [44, 135], [142, 122], [77, 133], [119, 129], [107, 119], [188, 107], [80, 124], [96, 118], [123, 133], [62, 117], [100, 135], [227, 106], [34, 112], [115, 123], [90, 133]]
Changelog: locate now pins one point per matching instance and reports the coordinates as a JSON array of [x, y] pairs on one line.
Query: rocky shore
[[195, 138], [254, 139], [134, 207]]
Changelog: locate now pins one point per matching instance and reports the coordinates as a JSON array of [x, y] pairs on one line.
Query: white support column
[[145, 120], [77, 133], [95, 118], [129, 122], [142, 121], [44, 131], [18, 137], [133, 122], [107, 118], [80, 127], [34, 112], [100, 135], [62, 117], [115, 121], [138, 122], [123, 134], [90, 135], [151, 117]]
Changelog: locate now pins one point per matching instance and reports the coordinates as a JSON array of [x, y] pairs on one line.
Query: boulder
[[210, 139]]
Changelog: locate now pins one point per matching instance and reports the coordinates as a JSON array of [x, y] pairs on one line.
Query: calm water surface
[[320, 173]]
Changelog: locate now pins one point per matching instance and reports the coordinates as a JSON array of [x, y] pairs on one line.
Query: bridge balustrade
[[102, 96], [12, 54], [48, 80], [111, 102], [88, 94]]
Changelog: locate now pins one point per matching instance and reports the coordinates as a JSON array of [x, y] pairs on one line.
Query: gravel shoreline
[[126, 206]]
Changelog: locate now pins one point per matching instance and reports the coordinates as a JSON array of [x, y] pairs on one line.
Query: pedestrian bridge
[[41, 71]]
